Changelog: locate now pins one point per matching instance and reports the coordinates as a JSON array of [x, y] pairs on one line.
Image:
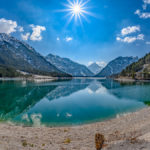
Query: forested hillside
[[139, 69]]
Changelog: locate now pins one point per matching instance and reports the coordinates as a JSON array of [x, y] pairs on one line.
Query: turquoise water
[[69, 102]]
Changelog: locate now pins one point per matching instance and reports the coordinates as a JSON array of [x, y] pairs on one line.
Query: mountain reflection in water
[[69, 102]]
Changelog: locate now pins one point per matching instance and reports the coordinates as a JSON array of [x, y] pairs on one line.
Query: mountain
[[95, 68], [6, 71], [116, 66], [139, 69], [69, 66], [21, 56]]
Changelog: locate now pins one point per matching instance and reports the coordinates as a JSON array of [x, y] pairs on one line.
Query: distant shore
[[37, 78], [126, 132], [29, 79], [126, 79], [40, 78]]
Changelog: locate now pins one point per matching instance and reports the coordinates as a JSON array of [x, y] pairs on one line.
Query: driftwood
[[99, 141]]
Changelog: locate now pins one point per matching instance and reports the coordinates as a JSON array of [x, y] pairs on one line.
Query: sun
[[77, 9]]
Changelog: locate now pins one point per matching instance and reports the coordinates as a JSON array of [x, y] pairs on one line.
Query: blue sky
[[116, 28]]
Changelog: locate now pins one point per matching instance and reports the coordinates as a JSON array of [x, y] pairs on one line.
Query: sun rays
[[77, 10]]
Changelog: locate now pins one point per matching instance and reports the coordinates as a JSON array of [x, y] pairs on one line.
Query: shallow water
[[69, 102]]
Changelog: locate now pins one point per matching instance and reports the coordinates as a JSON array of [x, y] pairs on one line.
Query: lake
[[69, 102]]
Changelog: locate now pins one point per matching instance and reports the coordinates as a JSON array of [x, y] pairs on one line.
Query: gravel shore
[[128, 132]]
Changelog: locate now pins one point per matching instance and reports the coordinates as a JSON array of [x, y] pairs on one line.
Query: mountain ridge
[[69, 66], [116, 66], [95, 68], [21, 56]]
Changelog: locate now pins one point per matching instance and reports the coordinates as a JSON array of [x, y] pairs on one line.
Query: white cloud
[[140, 37], [25, 36], [25, 117], [68, 115], [126, 39], [36, 34], [101, 63], [129, 30], [90, 91], [90, 63], [148, 42], [7, 26], [144, 15], [20, 29], [146, 2], [130, 39], [36, 119], [68, 39], [10, 26], [58, 39]]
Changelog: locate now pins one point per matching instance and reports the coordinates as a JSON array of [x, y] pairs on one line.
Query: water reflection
[[19, 96], [16, 98], [67, 88], [138, 91], [96, 87], [68, 102]]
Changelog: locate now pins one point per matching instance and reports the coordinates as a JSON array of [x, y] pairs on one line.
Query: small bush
[[24, 143], [67, 141]]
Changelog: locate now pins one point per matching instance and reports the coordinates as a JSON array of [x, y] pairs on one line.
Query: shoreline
[[130, 80], [126, 132], [35, 78], [38, 78]]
